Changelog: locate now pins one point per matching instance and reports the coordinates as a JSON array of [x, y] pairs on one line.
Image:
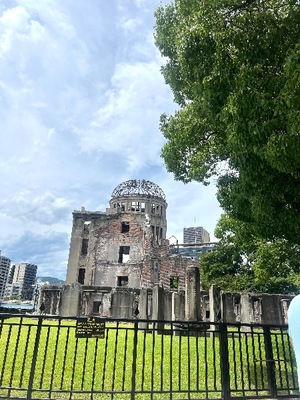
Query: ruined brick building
[[121, 265], [123, 249], [125, 245]]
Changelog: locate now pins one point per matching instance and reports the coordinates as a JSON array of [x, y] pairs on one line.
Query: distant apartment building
[[4, 271], [11, 274], [22, 281], [195, 234]]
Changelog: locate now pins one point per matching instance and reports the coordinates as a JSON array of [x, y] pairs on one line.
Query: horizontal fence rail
[[44, 357]]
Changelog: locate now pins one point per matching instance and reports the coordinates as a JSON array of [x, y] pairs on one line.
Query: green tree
[[234, 69], [243, 262]]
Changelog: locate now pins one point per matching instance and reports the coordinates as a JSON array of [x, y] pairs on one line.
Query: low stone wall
[[252, 308], [158, 303]]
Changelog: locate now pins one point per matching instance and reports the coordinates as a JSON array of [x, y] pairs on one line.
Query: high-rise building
[[4, 271], [196, 234], [23, 280]]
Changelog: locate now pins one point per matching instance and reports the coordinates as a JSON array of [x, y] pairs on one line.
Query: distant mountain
[[48, 280]]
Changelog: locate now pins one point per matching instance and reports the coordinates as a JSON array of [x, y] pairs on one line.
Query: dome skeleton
[[138, 187]]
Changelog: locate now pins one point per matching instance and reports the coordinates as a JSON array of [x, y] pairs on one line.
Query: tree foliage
[[243, 262], [234, 69]]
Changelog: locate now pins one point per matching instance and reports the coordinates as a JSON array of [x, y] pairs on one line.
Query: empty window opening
[[161, 233], [174, 282], [152, 208], [157, 208], [81, 275], [256, 307], [123, 206], [135, 206], [125, 227], [237, 307], [136, 310], [86, 226], [124, 254], [96, 307], [157, 234], [155, 266], [122, 281], [84, 247]]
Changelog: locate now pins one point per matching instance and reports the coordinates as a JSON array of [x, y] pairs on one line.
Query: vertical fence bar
[[153, 358], [254, 353], [206, 362], [214, 350], [197, 361], [9, 334], [171, 361], [55, 354], [144, 359], [16, 349], [44, 358], [260, 358], [74, 376], [23, 368], [65, 357], [115, 357], [224, 359], [134, 356], [270, 361], [34, 358], [94, 368], [235, 366], [125, 358]]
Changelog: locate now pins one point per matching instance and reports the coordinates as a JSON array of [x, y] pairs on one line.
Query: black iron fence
[[93, 358]]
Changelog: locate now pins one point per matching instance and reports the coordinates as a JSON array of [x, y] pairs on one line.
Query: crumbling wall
[[231, 306], [260, 308], [124, 303], [111, 266], [80, 262], [70, 300], [49, 299], [204, 305], [192, 294], [63, 300]]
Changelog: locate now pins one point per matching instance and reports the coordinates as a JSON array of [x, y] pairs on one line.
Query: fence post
[[134, 355], [34, 358], [270, 361], [224, 361]]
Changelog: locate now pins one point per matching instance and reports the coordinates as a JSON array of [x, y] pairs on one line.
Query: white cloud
[[80, 98], [127, 124], [48, 251], [46, 209]]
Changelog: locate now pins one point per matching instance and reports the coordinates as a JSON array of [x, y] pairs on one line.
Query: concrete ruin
[[121, 250], [122, 266]]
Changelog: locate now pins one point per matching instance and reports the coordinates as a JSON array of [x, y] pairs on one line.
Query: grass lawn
[[159, 363]]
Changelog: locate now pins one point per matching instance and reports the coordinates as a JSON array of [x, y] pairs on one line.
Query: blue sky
[[81, 94]]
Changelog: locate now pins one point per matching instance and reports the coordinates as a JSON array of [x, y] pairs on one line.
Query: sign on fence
[[90, 328]]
